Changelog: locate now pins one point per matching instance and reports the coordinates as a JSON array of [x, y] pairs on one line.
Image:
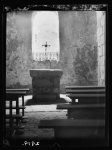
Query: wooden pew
[[13, 121], [86, 94], [77, 128], [85, 87], [87, 102], [84, 111]]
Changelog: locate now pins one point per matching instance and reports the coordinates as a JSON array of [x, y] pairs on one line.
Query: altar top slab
[[44, 72], [46, 69]]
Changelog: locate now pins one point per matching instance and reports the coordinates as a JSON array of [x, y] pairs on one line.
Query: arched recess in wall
[[45, 35]]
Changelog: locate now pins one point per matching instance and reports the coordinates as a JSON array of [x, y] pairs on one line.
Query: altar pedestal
[[46, 84]]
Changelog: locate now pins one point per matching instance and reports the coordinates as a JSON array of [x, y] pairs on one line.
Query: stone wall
[[75, 30], [101, 47]]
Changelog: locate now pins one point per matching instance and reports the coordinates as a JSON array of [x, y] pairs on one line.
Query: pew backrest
[[80, 106], [86, 94]]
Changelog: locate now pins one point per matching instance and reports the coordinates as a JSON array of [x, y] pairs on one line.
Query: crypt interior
[[47, 51]]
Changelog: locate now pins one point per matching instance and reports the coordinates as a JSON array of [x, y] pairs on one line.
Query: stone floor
[[35, 113], [31, 129]]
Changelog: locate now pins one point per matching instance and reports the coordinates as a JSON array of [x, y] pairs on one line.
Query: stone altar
[[46, 84]]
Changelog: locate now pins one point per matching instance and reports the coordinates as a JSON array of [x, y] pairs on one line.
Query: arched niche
[[45, 31]]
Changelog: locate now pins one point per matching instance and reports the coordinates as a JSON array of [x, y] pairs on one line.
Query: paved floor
[[35, 113], [31, 129]]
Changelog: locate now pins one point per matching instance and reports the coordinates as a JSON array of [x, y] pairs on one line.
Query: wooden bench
[[12, 124], [11, 96], [14, 94], [86, 94], [77, 128], [84, 111]]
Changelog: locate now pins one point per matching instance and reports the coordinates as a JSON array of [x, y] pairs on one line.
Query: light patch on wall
[[45, 29], [101, 40]]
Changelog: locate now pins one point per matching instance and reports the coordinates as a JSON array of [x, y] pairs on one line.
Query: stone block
[[101, 69], [103, 20], [99, 51], [100, 31], [103, 50], [99, 41], [102, 72], [103, 82], [102, 39], [46, 84], [103, 30], [102, 61], [102, 75]]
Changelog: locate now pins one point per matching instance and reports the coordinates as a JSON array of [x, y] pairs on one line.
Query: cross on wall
[[46, 45]]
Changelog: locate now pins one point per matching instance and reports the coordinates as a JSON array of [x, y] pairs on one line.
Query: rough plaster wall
[[101, 48], [18, 31], [76, 29]]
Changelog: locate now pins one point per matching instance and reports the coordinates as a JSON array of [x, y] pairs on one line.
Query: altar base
[[46, 85]]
